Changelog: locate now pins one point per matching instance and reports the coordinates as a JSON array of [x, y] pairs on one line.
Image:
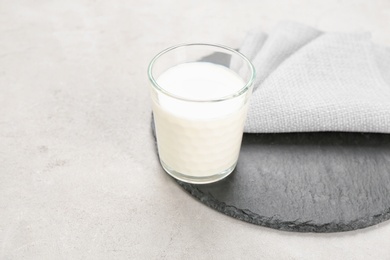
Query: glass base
[[196, 179]]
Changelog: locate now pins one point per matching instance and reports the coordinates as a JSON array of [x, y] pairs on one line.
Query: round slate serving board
[[306, 182]]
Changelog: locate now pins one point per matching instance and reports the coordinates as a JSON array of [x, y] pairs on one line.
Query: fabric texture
[[309, 81]]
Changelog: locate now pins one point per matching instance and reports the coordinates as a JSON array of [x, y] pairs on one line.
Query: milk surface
[[200, 81], [199, 138]]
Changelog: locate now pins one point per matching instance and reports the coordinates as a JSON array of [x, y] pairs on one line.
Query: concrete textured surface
[[79, 178]]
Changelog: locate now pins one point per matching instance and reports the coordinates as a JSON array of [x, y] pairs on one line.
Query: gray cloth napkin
[[308, 80]]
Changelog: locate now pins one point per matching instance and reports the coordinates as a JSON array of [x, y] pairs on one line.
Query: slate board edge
[[293, 226]]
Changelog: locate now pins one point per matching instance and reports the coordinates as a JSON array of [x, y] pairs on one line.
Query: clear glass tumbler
[[200, 94]]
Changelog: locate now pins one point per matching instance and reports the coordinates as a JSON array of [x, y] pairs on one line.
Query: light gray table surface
[[79, 178]]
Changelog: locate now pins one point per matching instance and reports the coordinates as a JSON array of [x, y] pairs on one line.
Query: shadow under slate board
[[305, 182]]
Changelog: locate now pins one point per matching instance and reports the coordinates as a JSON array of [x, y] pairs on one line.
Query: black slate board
[[306, 182]]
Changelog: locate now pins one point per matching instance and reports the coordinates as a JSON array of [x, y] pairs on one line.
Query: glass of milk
[[200, 95]]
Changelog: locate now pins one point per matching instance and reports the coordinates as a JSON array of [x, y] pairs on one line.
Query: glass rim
[[237, 93]]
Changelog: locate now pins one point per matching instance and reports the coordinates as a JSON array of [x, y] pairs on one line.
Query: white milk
[[199, 139]]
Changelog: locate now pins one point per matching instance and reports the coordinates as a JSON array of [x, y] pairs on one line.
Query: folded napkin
[[308, 80]]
